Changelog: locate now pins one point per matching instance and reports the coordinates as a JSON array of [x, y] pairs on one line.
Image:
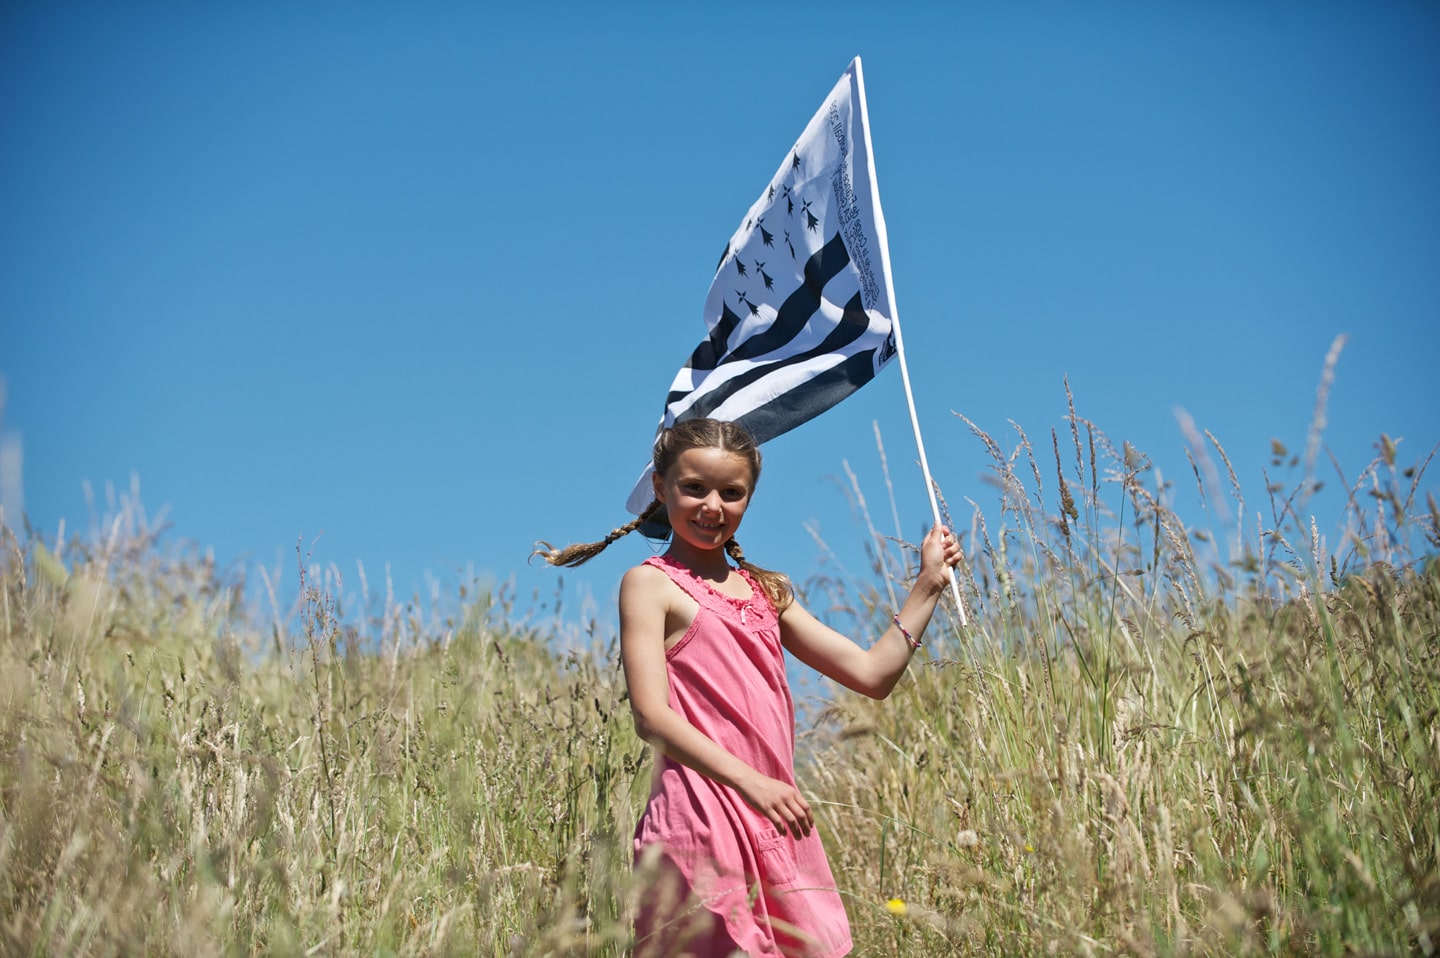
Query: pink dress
[[758, 891]]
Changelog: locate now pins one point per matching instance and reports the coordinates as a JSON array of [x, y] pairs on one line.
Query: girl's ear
[[658, 482]]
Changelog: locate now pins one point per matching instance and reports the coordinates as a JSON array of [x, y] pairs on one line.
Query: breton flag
[[800, 311]]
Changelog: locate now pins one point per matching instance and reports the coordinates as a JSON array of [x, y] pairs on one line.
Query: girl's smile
[[706, 492]]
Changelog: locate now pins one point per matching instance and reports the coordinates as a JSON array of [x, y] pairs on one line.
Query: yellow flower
[[897, 906]]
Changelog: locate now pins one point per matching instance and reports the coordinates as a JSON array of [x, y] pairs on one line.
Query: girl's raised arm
[[874, 671]]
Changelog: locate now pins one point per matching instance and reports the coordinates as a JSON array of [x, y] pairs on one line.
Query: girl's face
[[706, 492]]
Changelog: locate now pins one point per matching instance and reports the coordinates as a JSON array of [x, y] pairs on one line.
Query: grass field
[[1150, 740]]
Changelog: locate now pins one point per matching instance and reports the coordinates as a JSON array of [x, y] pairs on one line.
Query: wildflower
[[967, 838], [897, 907]]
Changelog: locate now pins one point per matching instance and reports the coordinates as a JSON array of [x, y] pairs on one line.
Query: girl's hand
[[785, 807], [939, 553]]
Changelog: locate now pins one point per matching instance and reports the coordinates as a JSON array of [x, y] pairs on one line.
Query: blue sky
[[407, 283]]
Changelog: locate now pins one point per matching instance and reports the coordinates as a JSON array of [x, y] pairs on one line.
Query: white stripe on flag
[[799, 312]]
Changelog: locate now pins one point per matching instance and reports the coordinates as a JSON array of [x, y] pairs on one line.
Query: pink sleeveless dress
[[730, 881]]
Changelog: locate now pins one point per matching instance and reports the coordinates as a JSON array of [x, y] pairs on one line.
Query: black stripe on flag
[[711, 352], [809, 400], [792, 411]]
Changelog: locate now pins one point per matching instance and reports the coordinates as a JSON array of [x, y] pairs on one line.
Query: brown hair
[[689, 434]]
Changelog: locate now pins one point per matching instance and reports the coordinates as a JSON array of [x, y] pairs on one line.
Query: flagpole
[[884, 245], [920, 446]]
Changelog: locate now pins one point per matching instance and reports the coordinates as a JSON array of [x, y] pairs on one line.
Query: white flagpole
[[884, 244], [920, 445]]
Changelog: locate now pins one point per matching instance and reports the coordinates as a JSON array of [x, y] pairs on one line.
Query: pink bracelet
[[914, 643]]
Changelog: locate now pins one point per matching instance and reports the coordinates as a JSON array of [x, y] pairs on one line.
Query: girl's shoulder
[[644, 591], [643, 573], [648, 579], [649, 590]]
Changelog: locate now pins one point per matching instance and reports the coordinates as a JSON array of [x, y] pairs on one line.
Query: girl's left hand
[[939, 553]]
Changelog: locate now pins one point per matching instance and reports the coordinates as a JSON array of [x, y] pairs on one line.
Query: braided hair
[[697, 433]]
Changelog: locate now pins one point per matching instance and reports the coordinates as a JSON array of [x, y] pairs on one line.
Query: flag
[[800, 312]]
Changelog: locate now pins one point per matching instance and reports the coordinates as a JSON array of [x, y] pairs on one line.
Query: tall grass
[[178, 781], [1148, 746], [1151, 740]]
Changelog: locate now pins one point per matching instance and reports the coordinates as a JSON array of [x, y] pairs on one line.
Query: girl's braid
[[776, 585], [583, 552]]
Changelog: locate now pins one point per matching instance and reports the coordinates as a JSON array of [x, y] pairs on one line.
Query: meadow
[[1149, 739]]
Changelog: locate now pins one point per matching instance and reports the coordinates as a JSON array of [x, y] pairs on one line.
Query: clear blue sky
[[414, 278]]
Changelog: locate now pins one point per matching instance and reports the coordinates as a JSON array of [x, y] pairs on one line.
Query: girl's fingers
[[802, 821], [801, 824], [949, 545], [940, 540], [790, 814]]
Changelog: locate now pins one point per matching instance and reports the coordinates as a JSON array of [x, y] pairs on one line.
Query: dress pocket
[[777, 860]]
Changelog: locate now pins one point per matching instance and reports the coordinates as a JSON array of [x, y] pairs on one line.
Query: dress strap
[[753, 610]]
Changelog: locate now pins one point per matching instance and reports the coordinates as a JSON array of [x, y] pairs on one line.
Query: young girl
[[740, 861]]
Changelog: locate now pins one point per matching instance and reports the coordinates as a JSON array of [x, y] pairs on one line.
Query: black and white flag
[[800, 311]]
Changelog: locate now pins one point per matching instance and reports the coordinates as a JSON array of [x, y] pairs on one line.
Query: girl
[[734, 841]]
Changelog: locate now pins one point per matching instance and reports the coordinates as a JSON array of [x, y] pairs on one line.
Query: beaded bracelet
[[914, 642]]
